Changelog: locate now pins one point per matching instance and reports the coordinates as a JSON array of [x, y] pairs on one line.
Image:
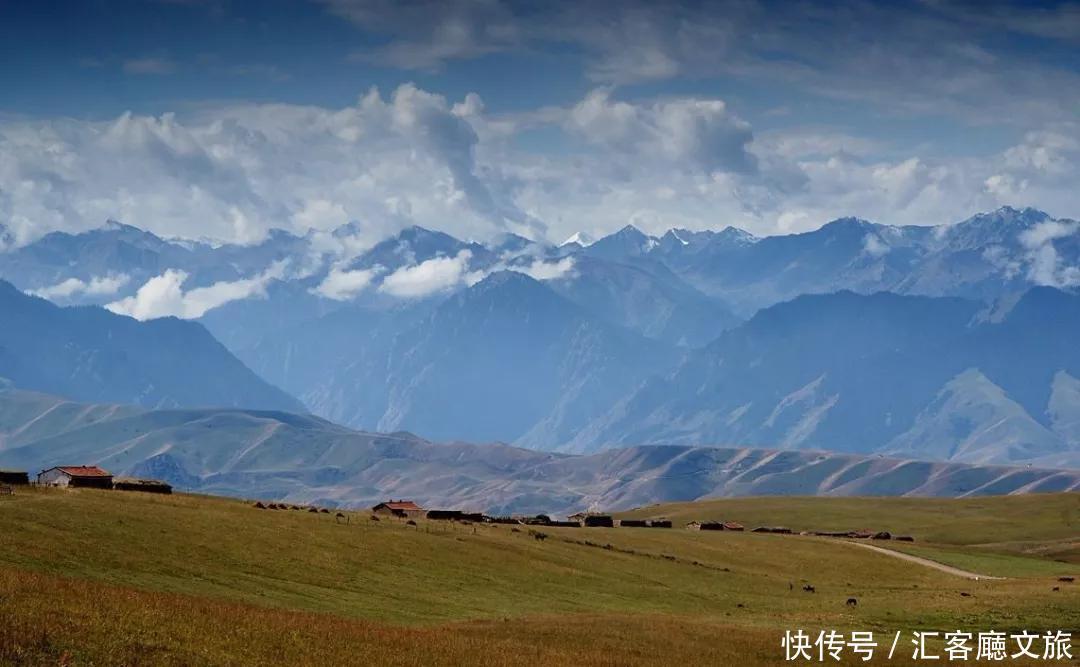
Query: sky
[[221, 119]]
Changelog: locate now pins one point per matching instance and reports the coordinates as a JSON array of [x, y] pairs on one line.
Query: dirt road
[[948, 569]]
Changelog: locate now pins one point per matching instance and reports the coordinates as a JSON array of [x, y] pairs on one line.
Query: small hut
[[598, 521], [14, 477], [777, 530], [443, 515], [144, 485], [91, 477], [403, 509]]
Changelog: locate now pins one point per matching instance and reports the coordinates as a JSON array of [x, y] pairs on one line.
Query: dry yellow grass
[[123, 578]]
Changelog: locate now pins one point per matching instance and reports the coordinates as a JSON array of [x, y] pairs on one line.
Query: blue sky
[[229, 118]]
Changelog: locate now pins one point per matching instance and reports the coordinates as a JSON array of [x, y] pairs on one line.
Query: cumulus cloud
[[429, 277], [230, 172], [689, 131], [541, 270], [106, 285], [342, 285], [164, 295], [1046, 266]]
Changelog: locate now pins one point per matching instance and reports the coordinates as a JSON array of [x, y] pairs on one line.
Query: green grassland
[[122, 578], [1007, 536]]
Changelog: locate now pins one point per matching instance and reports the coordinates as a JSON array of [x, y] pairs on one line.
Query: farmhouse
[[144, 485], [454, 515], [598, 521], [76, 476], [403, 509], [14, 477]]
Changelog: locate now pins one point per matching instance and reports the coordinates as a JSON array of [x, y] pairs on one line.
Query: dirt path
[[948, 569]]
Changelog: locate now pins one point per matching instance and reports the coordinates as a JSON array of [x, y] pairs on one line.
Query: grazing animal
[[809, 589], [410, 522], [314, 510], [374, 518], [1056, 588], [538, 536], [965, 595], [259, 506], [324, 511], [852, 602], [339, 516], [1067, 580]]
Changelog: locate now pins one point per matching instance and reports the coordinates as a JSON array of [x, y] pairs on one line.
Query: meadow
[[97, 577]]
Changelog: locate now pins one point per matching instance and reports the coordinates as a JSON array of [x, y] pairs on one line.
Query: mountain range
[[305, 459], [952, 342]]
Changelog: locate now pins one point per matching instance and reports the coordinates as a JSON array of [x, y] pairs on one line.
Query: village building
[[705, 525], [658, 523], [14, 477], [454, 515], [633, 523], [403, 509], [144, 485], [598, 521], [734, 525], [76, 476]]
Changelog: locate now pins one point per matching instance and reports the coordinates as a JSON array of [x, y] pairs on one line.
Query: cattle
[[809, 589], [852, 602]]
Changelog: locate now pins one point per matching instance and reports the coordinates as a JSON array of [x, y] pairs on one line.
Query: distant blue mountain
[[90, 354], [936, 378]]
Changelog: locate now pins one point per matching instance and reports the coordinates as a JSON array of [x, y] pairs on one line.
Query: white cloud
[[164, 296], [231, 172], [541, 270], [687, 131], [341, 284], [429, 277], [1046, 266], [874, 246], [97, 286]]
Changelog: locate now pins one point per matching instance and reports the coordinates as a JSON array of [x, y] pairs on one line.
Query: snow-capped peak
[[583, 239]]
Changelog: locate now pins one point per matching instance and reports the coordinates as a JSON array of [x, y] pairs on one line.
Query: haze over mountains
[[946, 343]]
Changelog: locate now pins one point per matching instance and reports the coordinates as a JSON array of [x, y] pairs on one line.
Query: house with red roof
[[76, 476], [399, 508]]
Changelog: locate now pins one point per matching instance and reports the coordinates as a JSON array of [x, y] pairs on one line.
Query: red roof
[[406, 505], [84, 471]]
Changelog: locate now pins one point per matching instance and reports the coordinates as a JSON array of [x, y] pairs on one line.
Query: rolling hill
[[305, 459]]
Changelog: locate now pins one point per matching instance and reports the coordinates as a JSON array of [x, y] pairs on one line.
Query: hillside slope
[[89, 354], [278, 455]]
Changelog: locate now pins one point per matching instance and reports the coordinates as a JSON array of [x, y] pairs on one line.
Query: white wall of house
[[54, 478]]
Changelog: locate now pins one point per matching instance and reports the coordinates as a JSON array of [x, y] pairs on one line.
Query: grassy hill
[[995, 535], [117, 578]]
